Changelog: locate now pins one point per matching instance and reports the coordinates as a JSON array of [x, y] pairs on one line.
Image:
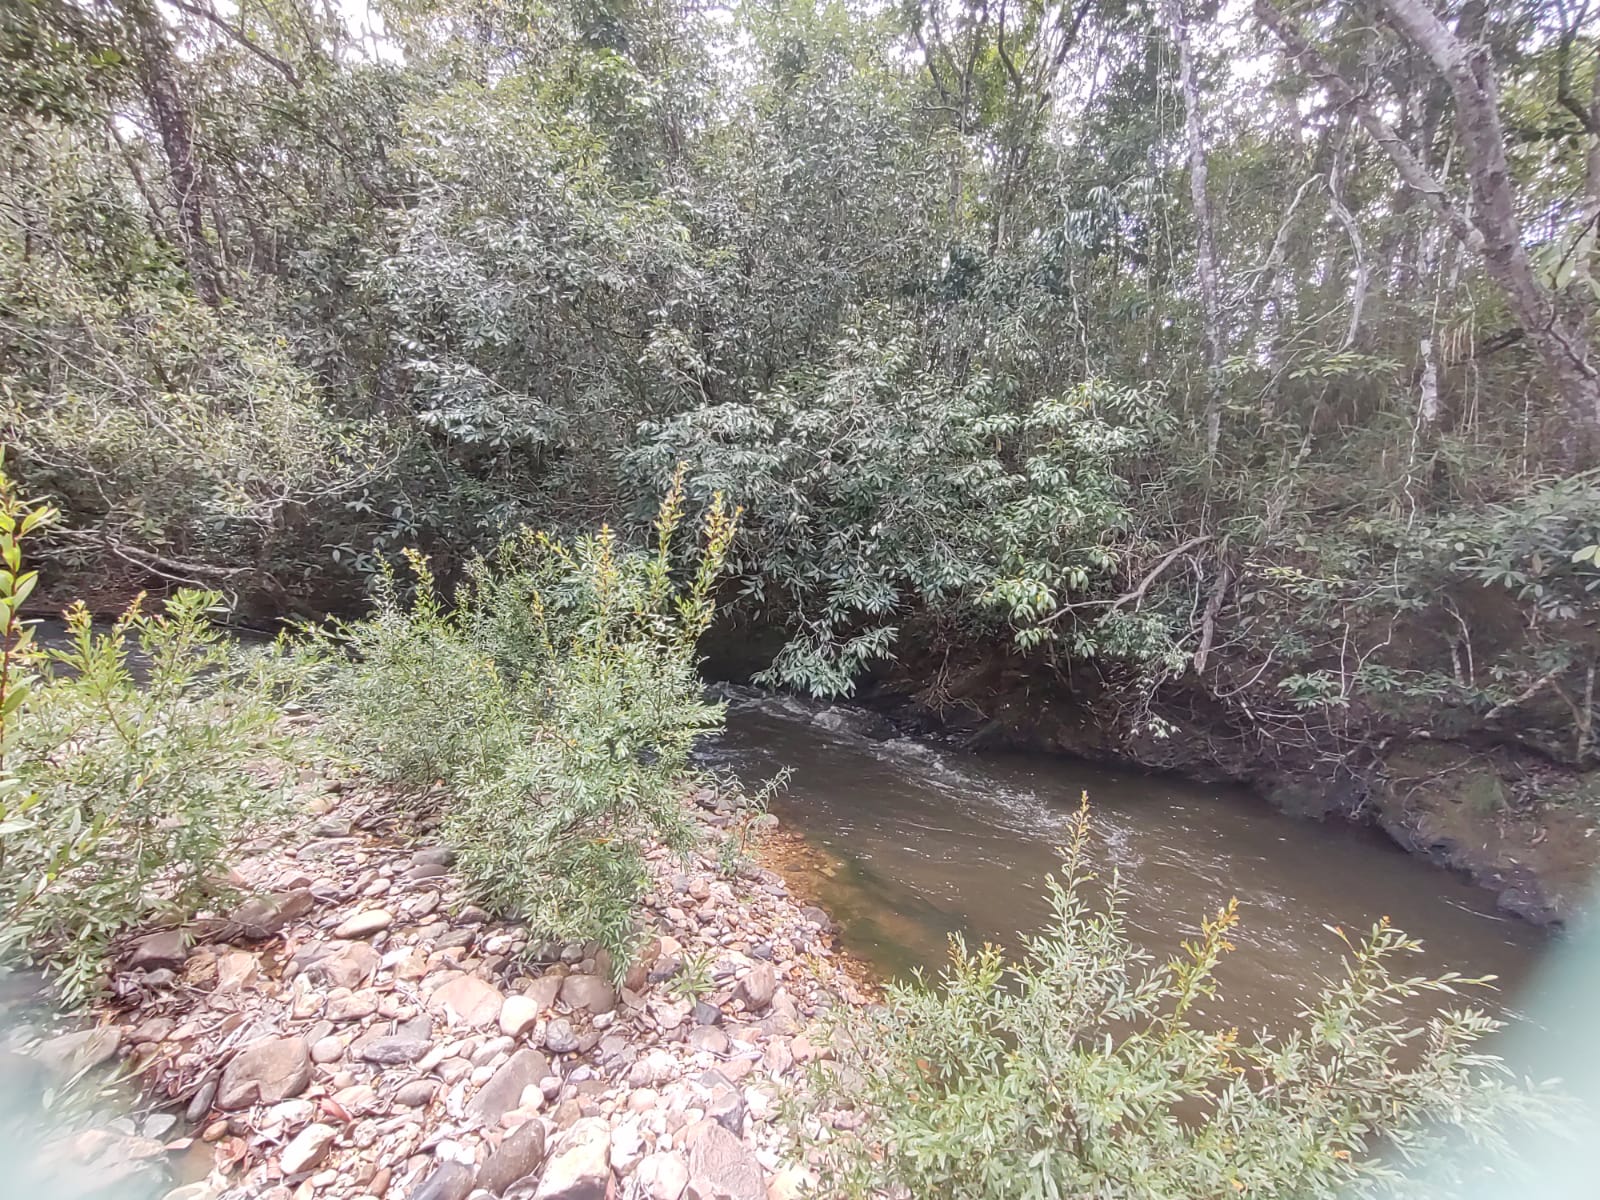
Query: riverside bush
[[556, 700], [1083, 1070], [131, 764]]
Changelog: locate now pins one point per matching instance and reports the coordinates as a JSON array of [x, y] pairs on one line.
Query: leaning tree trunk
[[1206, 242], [158, 80], [1560, 339]]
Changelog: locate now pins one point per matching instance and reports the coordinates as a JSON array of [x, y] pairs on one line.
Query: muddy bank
[[358, 1029]]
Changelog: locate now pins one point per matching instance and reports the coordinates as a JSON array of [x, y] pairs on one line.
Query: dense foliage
[[1231, 360], [1087, 1069], [555, 700], [134, 764]]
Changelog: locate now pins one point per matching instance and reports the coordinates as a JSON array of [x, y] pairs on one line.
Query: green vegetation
[[1232, 367], [1216, 361], [1087, 1069], [555, 700], [133, 766]]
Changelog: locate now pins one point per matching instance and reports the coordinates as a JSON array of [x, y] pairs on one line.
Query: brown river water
[[920, 841]]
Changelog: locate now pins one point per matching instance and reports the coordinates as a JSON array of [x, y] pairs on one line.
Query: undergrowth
[[555, 699], [1083, 1069], [132, 763]]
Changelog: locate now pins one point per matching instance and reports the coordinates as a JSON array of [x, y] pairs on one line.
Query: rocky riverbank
[[357, 1029]]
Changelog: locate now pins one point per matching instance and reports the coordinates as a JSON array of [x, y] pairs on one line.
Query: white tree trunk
[[1206, 248]]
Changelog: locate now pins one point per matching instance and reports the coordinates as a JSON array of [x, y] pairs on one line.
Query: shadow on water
[[926, 841]]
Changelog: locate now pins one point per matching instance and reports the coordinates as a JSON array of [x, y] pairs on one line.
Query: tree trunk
[[1560, 341], [158, 81], [1206, 245]]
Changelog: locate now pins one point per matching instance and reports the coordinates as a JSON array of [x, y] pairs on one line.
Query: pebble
[[559, 1037], [416, 1093], [456, 1074], [308, 1148], [365, 924], [393, 1051], [518, 1014], [267, 1071], [327, 1050]]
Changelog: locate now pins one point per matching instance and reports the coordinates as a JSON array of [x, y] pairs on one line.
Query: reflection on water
[[929, 841]]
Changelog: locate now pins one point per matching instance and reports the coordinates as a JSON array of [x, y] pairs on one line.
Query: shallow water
[[923, 841]]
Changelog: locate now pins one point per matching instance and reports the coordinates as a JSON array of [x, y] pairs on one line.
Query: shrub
[[130, 772], [556, 699], [1083, 1070]]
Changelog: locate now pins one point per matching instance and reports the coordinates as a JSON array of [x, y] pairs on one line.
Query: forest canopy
[[1236, 355]]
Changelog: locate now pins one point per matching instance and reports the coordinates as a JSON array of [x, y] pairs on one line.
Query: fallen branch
[[1137, 594], [1532, 690], [1208, 620]]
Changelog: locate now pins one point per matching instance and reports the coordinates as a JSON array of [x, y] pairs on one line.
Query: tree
[[1557, 326]]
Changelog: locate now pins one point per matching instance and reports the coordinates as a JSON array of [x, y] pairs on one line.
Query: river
[[919, 841]]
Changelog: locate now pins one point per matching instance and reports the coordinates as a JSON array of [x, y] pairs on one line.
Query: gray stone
[[705, 1014], [726, 1108], [168, 949], [427, 870], [416, 1094], [265, 1072], [394, 1050], [308, 1148], [345, 964], [261, 917], [504, 1090], [758, 986], [721, 1167], [580, 1164], [449, 1181], [200, 1102], [519, 1156], [441, 856], [74, 1052], [590, 992], [559, 1037], [364, 924]]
